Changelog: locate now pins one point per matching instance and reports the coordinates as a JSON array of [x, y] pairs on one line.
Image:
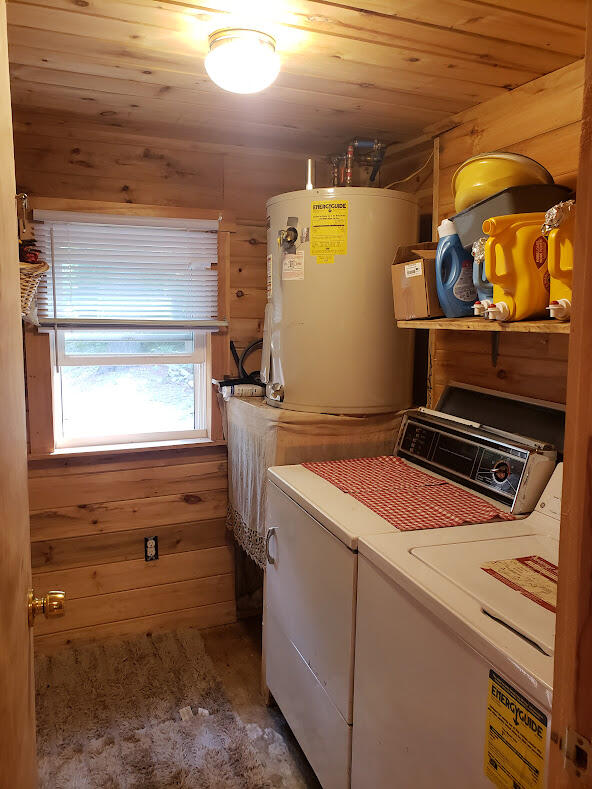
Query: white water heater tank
[[330, 341]]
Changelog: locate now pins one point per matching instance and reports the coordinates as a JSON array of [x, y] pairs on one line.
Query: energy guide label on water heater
[[328, 229], [293, 265], [515, 738]]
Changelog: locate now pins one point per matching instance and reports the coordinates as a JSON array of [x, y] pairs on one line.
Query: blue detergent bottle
[[454, 273]]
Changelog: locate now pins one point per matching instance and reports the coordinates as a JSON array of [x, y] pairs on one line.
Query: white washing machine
[[454, 654], [313, 532]]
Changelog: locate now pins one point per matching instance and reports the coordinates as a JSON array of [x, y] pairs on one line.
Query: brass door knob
[[50, 605]]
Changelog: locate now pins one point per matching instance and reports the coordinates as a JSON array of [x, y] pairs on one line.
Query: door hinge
[[577, 752]]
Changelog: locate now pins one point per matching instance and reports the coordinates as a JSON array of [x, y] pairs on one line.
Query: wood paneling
[[145, 601], [113, 516], [530, 365], [89, 516], [211, 615], [38, 382], [88, 524], [540, 119], [82, 463], [166, 172], [131, 574], [86, 551], [378, 69], [99, 486]]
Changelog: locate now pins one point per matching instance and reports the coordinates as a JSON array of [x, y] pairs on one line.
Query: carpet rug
[[108, 717]]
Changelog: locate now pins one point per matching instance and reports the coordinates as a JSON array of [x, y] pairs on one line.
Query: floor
[[181, 709], [241, 679]]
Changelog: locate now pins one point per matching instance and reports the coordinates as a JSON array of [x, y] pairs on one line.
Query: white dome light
[[241, 60]]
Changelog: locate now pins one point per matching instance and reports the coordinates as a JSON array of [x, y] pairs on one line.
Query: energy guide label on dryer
[[515, 738], [293, 265], [328, 229]]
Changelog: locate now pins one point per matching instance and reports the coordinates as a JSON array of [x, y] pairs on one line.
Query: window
[[130, 304]]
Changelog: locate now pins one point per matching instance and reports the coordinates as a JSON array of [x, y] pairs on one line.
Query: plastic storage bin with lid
[[560, 226], [516, 265], [454, 273]]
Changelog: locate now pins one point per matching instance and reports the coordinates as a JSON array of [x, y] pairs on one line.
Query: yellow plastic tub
[[485, 175]]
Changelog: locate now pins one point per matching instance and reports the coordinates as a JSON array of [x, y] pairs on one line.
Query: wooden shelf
[[483, 324]]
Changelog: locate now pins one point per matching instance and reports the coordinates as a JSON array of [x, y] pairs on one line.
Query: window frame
[[40, 353], [60, 442]]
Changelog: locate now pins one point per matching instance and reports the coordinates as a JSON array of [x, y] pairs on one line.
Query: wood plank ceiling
[[378, 68]]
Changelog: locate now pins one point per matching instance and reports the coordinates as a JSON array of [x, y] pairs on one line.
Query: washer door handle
[[270, 531]]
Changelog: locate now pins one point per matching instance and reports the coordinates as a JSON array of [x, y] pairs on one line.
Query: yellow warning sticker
[[515, 738], [325, 258], [328, 229]]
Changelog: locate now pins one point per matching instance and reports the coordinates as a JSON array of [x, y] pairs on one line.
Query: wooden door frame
[[572, 698]]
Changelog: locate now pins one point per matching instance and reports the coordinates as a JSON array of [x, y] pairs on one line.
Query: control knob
[[501, 471]]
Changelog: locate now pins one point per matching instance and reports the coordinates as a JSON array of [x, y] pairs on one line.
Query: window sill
[[122, 449]]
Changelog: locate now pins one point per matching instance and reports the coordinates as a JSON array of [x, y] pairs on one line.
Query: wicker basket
[[31, 274]]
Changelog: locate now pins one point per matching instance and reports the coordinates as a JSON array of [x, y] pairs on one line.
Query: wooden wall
[[73, 157], [530, 365], [89, 518], [541, 119]]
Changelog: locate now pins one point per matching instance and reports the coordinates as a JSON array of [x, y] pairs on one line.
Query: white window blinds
[[123, 271]]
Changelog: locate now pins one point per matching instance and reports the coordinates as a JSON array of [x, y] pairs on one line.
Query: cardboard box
[[414, 282]]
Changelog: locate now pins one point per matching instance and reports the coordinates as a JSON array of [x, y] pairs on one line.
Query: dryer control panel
[[492, 462]]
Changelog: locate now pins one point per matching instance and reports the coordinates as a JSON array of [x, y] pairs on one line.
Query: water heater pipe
[[310, 174]]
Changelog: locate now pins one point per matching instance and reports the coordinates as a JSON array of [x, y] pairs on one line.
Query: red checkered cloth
[[405, 496], [372, 474]]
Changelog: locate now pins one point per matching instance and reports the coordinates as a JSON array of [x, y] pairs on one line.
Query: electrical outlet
[[150, 548]]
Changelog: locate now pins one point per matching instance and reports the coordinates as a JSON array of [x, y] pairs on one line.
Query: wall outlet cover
[[150, 548]]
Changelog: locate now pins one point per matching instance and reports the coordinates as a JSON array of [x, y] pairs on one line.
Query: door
[[17, 743]]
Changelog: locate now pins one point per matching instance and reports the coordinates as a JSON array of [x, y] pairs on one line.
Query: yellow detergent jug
[[516, 266], [561, 254]]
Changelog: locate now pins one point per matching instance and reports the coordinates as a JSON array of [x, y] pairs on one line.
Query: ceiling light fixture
[[242, 60]]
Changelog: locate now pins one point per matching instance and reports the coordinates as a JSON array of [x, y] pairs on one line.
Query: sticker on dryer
[[325, 259], [414, 269], [293, 265], [532, 576], [328, 227], [515, 738], [269, 277]]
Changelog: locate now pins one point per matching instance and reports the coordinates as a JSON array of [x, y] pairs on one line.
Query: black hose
[[255, 376], [235, 355]]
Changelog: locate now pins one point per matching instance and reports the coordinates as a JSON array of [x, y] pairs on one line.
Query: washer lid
[[514, 580]]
